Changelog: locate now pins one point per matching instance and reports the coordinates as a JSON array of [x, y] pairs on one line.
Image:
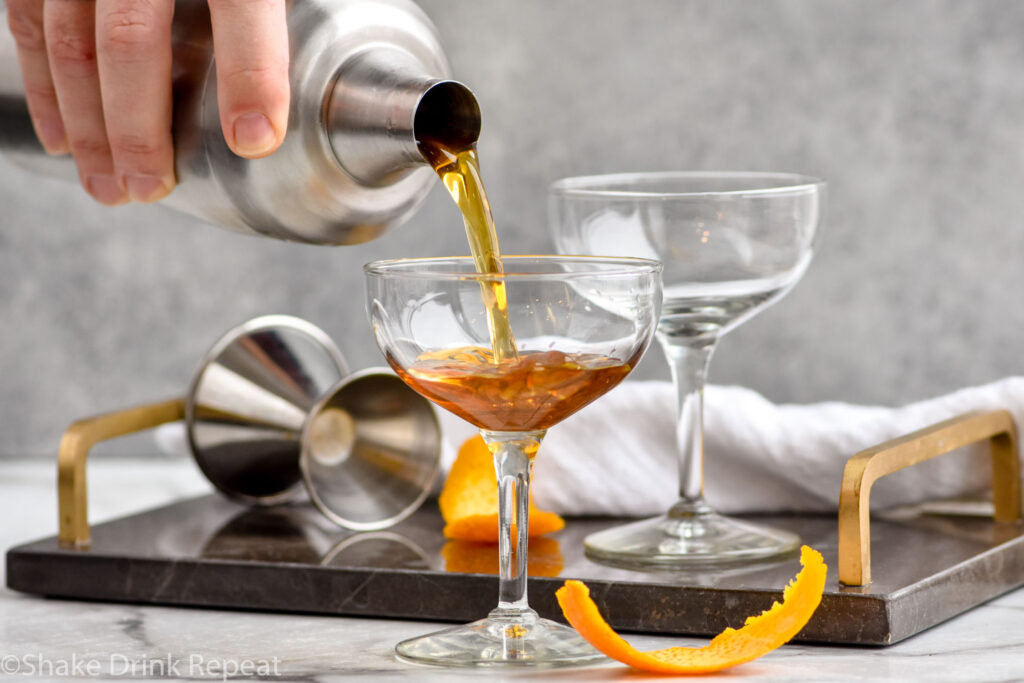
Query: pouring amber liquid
[[459, 170], [497, 388]]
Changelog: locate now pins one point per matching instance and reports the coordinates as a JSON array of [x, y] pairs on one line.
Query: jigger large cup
[[272, 404]]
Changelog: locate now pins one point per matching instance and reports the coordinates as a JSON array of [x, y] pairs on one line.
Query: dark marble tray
[[209, 552]]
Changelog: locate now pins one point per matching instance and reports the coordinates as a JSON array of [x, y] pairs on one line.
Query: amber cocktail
[[579, 325]]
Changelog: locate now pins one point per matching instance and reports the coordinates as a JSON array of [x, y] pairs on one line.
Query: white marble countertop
[[57, 638]]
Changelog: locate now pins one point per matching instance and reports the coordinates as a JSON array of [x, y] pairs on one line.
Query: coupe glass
[[580, 325], [731, 245]]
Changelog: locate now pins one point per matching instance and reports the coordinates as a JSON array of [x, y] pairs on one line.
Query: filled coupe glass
[[731, 245], [513, 353]]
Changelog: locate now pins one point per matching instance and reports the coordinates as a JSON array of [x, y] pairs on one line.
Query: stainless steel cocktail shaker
[[368, 78]]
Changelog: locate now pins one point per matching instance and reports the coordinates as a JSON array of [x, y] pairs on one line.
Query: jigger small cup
[[272, 404]]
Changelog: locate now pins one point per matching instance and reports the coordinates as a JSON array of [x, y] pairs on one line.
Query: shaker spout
[[448, 116], [383, 105]]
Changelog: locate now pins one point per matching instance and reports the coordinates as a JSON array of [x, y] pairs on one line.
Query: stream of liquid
[[459, 170]]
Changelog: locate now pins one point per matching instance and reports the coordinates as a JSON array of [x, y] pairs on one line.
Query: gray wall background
[[913, 110]]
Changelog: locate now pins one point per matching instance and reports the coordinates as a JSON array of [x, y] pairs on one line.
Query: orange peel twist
[[760, 634]]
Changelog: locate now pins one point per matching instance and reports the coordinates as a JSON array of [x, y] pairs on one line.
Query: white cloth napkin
[[617, 456]]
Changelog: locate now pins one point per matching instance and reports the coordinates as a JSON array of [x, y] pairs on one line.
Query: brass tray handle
[[78, 440], [867, 467]]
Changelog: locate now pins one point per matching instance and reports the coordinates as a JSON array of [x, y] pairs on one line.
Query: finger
[[25, 20], [133, 47], [70, 29], [250, 41]]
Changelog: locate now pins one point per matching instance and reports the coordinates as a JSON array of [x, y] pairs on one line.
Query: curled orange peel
[[759, 635], [469, 499]]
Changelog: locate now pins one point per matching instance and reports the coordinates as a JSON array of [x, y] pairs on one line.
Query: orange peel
[[760, 634], [469, 499]]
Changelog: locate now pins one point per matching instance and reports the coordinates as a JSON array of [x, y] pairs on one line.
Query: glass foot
[[702, 539], [519, 639]]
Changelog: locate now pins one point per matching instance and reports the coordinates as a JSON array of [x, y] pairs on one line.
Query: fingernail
[[146, 188], [254, 136], [105, 189], [53, 137]]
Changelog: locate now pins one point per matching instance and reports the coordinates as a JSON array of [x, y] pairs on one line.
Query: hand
[[97, 79]]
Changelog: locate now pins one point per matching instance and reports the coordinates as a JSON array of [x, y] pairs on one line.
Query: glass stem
[[513, 457], [689, 361]]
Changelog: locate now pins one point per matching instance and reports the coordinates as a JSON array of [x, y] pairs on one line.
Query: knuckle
[[26, 29], [70, 50], [235, 5], [256, 83], [129, 31], [135, 145], [41, 92], [89, 149], [250, 75]]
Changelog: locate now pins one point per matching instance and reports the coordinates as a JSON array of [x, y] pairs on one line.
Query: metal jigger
[[371, 449], [272, 404], [249, 400]]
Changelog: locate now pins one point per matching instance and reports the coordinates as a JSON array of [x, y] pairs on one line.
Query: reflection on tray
[[708, 576], [469, 557], [384, 549], [267, 535], [286, 534]]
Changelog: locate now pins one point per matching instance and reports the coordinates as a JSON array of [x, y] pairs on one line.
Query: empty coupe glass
[[731, 245]]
